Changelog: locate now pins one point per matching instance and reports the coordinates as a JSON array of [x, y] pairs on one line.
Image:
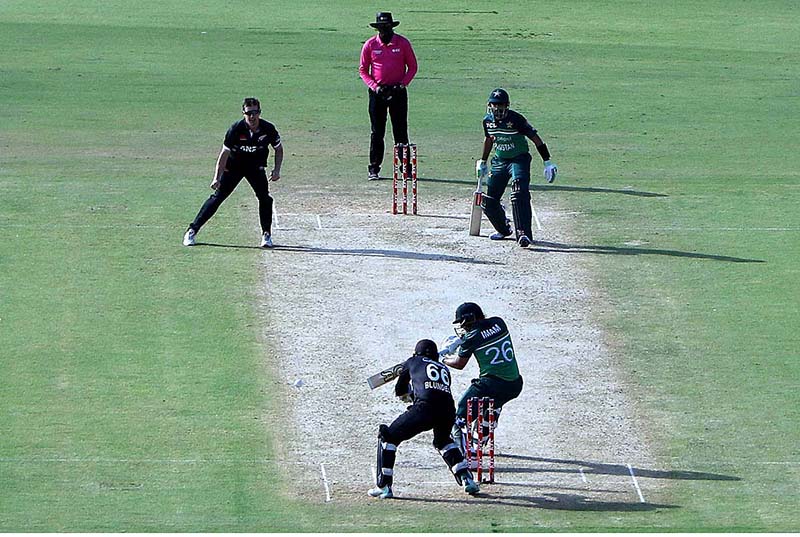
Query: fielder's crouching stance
[[427, 382]]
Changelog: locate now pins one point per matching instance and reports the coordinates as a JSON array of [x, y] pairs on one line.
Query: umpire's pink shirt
[[386, 65]]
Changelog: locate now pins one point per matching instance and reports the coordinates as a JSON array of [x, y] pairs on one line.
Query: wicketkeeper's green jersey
[[491, 344]]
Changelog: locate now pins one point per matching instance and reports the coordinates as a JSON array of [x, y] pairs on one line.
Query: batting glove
[[550, 171], [450, 345], [481, 169]]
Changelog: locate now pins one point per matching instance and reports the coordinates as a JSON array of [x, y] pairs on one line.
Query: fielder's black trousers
[[395, 105], [230, 179], [421, 417]]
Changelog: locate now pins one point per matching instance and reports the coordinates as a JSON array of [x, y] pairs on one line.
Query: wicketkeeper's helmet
[[499, 96], [468, 313], [427, 348]]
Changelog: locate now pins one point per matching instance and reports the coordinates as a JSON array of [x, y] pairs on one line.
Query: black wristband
[[545, 154]]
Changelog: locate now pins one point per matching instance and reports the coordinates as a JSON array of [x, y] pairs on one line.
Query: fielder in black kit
[[426, 381], [244, 155]]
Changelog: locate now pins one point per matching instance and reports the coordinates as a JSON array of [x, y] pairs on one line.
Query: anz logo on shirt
[[248, 148]]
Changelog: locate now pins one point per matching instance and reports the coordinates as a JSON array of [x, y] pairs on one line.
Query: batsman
[[489, 341], [506, 131]]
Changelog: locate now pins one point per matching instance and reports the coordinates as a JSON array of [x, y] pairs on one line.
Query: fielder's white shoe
[[470, 486], [189, 237], [266, 240], [381, 492]]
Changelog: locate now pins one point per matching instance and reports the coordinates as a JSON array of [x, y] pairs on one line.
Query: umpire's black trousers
[[394, 102]]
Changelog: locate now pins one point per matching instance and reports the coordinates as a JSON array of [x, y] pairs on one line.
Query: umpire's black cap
[[426, 347], [383, 19]]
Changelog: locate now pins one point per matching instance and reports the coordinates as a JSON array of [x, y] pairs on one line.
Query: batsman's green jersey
[[509, 134], [491, 344]]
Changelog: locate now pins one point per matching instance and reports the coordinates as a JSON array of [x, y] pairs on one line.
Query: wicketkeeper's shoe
[[383, 493], [266, 240], [189, 237], [470, 486], [524, 241]]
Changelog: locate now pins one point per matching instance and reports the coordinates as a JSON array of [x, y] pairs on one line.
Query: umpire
[[244, 155], [387, 66], [427, 382]]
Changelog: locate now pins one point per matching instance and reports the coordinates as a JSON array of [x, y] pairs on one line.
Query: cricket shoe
[[189, 237], [497, 236], [383, 493], [373, 176], [524, 241], [470, 486], [266, 240]]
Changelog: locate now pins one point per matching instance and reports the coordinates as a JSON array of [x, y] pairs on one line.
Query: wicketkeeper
[[426, 382], [506, 131], [499, 378]]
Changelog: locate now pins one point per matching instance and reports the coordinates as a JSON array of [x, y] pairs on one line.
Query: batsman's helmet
[[427, 348], [468, 313], [499, 96]]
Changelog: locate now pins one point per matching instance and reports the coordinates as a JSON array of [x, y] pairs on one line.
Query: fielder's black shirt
[[250, 150], [430, 381]]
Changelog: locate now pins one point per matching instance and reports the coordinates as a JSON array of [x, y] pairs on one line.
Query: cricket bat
[[477, 212], [385, 376]]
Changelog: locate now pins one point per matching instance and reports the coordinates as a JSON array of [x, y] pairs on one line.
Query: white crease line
[[583, 476], [636, 484], [319, 222], [325, 482], [65, 460], [536, 219], [374, 476], [275, 218]]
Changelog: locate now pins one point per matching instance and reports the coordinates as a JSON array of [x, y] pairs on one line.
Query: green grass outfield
[[133, 390]]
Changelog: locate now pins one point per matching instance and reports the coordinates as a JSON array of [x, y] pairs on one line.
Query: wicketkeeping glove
[[481, 169], [550, 171]]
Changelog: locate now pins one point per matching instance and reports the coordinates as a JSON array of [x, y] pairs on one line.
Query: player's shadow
[[395, 254], [595, 190], [555, 501], [589, 468], [446, 181], [235, 246], [358, 252], [550, 187], [559, 247]]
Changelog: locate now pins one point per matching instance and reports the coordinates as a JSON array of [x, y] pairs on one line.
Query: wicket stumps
[[482, 422], [405, 169]]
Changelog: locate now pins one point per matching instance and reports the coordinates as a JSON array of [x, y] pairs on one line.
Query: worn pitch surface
[[351, 291]]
